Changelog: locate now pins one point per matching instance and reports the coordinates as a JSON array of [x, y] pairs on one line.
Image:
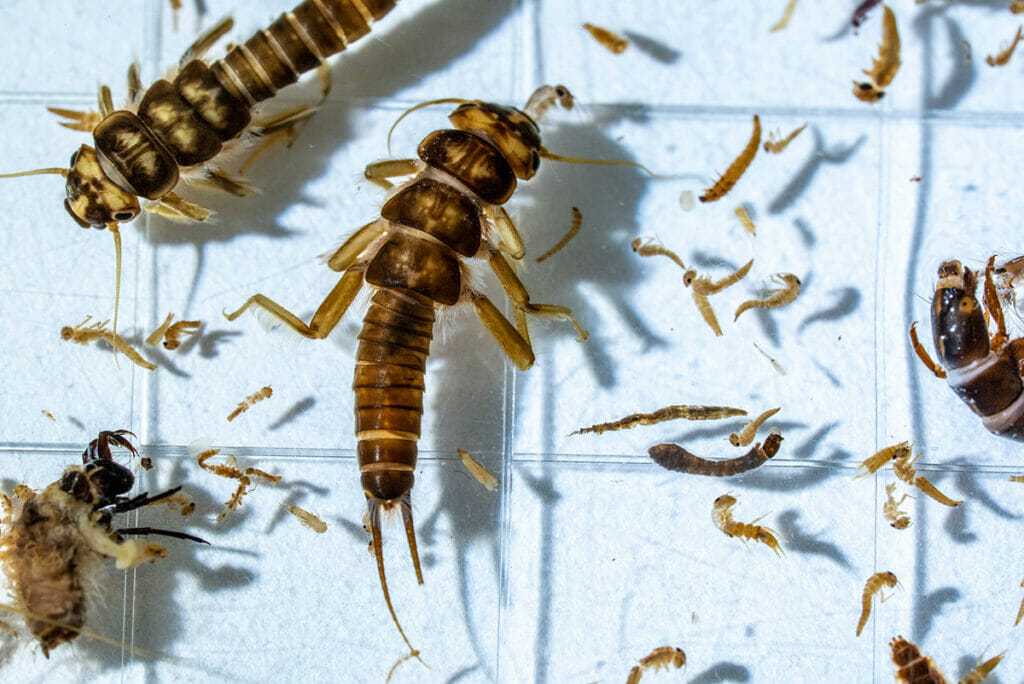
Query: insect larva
[[884, 68], [684, 411], [612, 41], [775, 364], [872, 586], [646, 247], [308, 519], [181, 501], [230, 470], [1017, 6], [891, 510], [49, 415], [703, 287], [577, 219], [722, 517], [773, 146], [146, 463], [861, 13], [787, 14], [1017, 478], [1020, 611], [98, 331], [881, 457], [913, 667], [744, 217], [482, 475], [903, 466], [662, 657], [676, 458], [171, 334], [244, 405], [780, 296], [51, 548], [728, 179], [746, 435], [1004, 56]]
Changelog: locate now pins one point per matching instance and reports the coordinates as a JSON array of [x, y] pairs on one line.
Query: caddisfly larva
[[875, 462], [903, 467], [676, 458], [871, 587], [744, 217], [577, 220], [773, 146], [982, 371], [229, 470], [913, 667], [891, 508], [746, 435], [171, 333], [612, 41], [183, 129], [780, 296], [884, 68], [728, 179], [55, 541], [722, 517], [662, 657], [308, 519], [787, 14], [684, 411], [1004, 56], [84, 334], [413, 258], [482, 475], [245, 404]]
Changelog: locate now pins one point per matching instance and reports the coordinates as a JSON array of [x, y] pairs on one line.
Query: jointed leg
[[512, 342], [327, 315], [511, 241], [923, 355], [520, 298], [346, 255], [379, 172], [994, 308]]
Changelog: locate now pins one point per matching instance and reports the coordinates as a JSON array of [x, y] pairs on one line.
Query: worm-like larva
[[482, 475], [722, 517], [308, 519], [744, 217], [746, 435], [684, 411], [646, 247], [891, 508], [83, 335], [577, 220], [1004, 56], [884, 68], [903, 466], [776, 297], [609, 39], [728, 179], [230, 470], [874, 585], [787, 14], [171, 333], [676, 458], [881, 457], [773, 146], [243, 406], [703, 287], [662, 657]]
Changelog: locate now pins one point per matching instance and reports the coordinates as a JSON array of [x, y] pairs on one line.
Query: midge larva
[[981, 370], [891, 508], [610, 40], [746, 435], [776, 297], [56, 538], [1004, 56], [773, 146], [413, 259], [676, 458], [181, 128], [875, 462], [722, 517], [903, 467], [661, 657], [871, 587], [83, 334], [675, 412]]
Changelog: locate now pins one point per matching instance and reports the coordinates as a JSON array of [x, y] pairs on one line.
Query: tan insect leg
[[994, 308], [224, 182], [178, 208], [926, 359], [346, 255], [520, 298], [515, 346], [207, 40], [78, 120], [327, 315], [379, 172], [511, 242]]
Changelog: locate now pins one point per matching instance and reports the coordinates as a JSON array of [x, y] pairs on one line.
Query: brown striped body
[[913, 667], [987, 379], [184, 123]]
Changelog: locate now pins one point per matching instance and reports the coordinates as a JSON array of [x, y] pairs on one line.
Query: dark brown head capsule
[[958, 321], [512, 131], [93, 199]]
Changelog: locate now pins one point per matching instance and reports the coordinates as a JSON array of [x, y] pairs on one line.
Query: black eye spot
[[74, 158], [536, 160], [124, 216]]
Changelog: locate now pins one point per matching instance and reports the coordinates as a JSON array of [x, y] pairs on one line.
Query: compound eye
[[74, 159], [536, 161], [123, 216]]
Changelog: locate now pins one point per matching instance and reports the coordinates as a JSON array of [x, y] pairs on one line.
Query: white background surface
[[588, 555]]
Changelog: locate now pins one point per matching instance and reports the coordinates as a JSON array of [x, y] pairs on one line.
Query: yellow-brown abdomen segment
[[390, 362]]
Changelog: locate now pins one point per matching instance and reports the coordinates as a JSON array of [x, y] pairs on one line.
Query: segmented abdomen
[[392, 355], [992, 388], [186, 122]]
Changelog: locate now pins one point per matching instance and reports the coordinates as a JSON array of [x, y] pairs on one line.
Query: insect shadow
[[797, 540], [802, 179]]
